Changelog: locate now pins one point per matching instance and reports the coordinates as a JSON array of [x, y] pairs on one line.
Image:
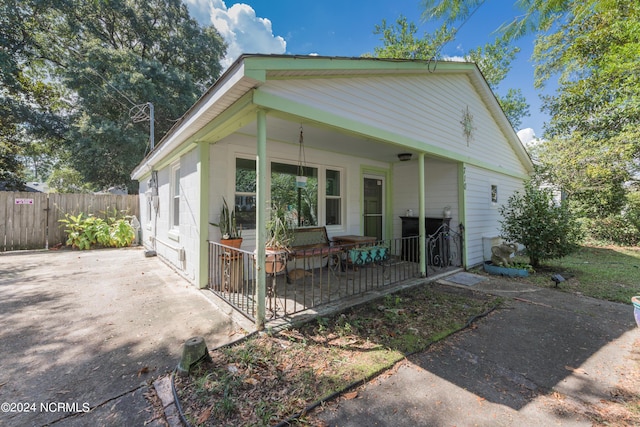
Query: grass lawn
[[609, 273], [269, 378]]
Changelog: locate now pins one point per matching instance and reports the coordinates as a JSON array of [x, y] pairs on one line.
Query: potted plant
[[231, 233], [279, 238]]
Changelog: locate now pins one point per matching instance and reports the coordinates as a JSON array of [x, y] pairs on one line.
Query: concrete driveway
[[84, 334]]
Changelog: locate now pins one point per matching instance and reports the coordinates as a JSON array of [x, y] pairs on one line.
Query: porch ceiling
[[327, 138]]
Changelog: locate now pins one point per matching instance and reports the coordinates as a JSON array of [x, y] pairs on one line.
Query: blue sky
[[345, 28]]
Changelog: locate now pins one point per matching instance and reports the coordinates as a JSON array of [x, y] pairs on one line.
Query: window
[[301, 201], [333, 202], [245, 194], [494, 194], [318, 199], [175, 196]]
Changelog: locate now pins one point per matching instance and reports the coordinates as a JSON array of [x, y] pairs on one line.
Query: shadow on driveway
[[538, 360], [90, 330]]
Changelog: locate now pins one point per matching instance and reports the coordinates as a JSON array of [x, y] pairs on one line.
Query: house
[[380, 141]]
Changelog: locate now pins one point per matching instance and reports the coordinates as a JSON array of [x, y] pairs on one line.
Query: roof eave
[[230, 87]]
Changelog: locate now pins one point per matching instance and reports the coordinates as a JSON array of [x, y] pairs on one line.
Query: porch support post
[[261, 217], [421, 216], [202, 272]]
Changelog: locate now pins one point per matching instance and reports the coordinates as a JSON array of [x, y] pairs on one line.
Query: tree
[[29, 101], [400, 41], [494, 59], [11, 170], [67, 180], [97, 60], [595, 114], [546, 228]]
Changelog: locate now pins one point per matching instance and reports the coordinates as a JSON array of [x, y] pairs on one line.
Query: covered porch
[[311, 280], [402, 199]]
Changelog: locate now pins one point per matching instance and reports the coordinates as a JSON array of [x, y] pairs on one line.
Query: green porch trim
[[388, 195], [202, 272], [241, 113], [261, 217], [237, 116], [175, 156], [462, 210], [323, 117], [255, 64], [422, 242]]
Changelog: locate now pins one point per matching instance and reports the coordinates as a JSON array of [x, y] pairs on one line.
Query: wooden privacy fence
[[31, 220]]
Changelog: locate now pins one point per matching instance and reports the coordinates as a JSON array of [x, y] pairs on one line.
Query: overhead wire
[[449, 39]]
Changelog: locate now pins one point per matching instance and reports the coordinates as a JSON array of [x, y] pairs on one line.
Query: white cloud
[[454, 58], [241, 29], [528, 137]]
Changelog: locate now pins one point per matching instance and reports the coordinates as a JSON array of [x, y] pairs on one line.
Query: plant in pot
[[279, 238], [231, 233]]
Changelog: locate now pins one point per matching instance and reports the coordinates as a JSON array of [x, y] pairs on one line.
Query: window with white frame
[[175, 196], [333, 198], [310, 201], [245, 194]]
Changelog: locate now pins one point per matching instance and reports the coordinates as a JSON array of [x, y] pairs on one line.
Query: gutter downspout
[[421, 217], [261, 217]]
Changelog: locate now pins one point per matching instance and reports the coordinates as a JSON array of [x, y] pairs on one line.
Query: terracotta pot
[[275, 262], [234, 243]]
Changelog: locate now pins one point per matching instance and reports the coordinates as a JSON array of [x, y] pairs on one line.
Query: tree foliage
[[400, 40], [83, 65], [547, 229], [594, 131]]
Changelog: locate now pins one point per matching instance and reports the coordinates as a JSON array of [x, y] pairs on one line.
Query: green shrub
[[84, 232], [615, 229], [546, 229]]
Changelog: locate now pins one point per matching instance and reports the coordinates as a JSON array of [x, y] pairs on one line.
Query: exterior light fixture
[[403, 157]]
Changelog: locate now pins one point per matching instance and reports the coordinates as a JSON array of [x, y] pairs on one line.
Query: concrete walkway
[[84, 334], [537, 361]]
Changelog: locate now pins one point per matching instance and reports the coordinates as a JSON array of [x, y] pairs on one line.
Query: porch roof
[[236, 86]]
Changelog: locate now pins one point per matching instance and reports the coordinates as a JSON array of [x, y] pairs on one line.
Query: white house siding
[[222, 178], [190, 212], [441, 190], [424, 108], [157, 234], [144, 198], [482, 215]]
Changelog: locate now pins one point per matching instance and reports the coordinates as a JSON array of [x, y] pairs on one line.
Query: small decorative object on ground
[[511, 271], [501, 254], [636, 309]]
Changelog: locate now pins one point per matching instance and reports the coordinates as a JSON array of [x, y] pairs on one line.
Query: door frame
[[387, 211]]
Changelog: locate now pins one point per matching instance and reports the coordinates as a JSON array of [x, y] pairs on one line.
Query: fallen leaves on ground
[[266, 379]]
